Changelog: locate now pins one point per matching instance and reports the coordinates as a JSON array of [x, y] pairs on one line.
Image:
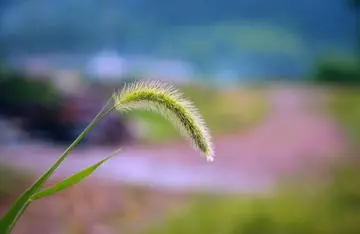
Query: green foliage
[[337, 70], [10, 218], [138, 95], [17, 89], [255, 37], [354, 4], [12, 181], [334, 209], [344, 105], [71, 180]]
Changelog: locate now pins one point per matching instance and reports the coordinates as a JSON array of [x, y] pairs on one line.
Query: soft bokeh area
[[277, 82]]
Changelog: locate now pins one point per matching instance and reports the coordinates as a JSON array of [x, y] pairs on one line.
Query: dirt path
[[293, 138]]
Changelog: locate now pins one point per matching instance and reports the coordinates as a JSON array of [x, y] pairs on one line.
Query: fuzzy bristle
[[165, 100]]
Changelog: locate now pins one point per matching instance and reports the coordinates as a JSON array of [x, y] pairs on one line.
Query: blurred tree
[[208, 47], [355, 4], [3, 6], [336, 69], [132, 24], [182, 29], [18, 90]]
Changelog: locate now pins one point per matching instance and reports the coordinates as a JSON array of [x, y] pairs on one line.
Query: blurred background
[[277, 81]]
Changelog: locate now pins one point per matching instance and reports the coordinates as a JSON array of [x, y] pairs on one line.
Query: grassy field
[[329, 210], [119, 208], [344, 106], [12, 182], [224, 111], [332, 209]]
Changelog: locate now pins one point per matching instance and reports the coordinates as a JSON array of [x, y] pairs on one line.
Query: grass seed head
[[165, 100]]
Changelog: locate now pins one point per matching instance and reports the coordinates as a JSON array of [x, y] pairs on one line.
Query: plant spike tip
[[163, 99]]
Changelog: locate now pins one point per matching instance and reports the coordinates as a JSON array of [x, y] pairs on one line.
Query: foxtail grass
[[149, 95]]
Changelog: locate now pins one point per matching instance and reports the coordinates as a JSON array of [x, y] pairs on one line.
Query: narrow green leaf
[[71, 180], [9, 219]]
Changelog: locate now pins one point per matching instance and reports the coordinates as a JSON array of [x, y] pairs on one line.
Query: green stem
[[10, 218]]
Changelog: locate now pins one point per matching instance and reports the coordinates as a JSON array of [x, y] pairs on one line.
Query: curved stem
[[10, 218]]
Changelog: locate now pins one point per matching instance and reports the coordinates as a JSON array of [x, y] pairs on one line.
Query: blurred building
[[109, 66], [105, 66]]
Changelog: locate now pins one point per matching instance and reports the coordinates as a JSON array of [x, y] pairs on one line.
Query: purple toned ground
[[294, 137]]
